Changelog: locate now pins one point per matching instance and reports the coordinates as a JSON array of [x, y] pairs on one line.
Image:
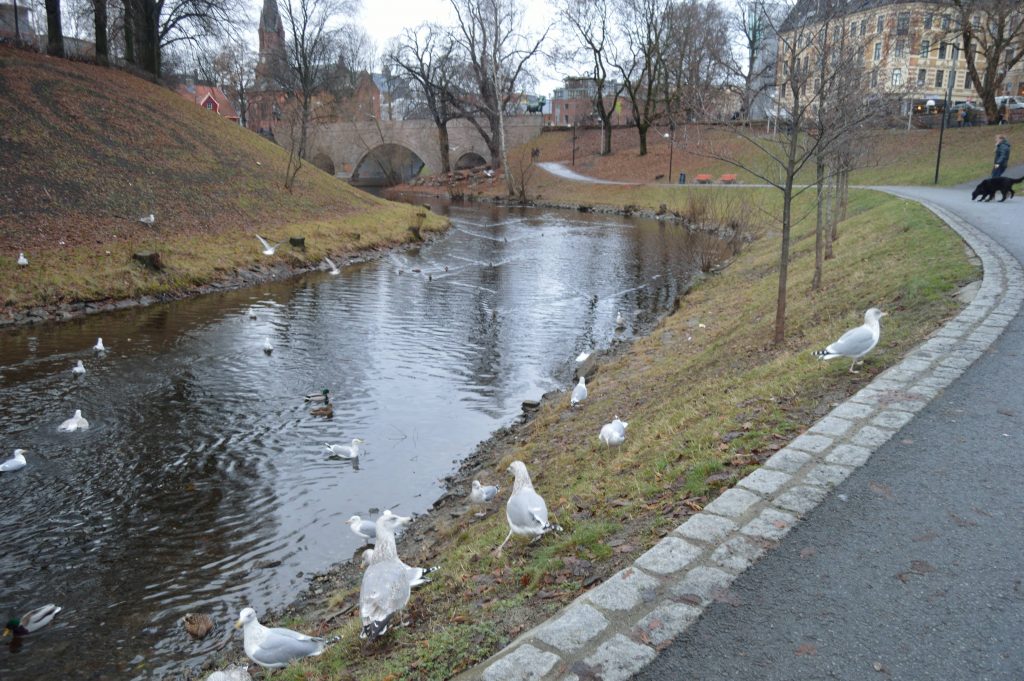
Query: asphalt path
[[913, 568]]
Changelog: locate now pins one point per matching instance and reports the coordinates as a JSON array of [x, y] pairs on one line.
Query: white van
[[1010, 101]]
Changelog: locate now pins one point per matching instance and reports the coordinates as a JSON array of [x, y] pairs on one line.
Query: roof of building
[[199, 93], [811, 11]]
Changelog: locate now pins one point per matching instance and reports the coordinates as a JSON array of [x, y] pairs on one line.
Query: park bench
[[729, 178], [703, 179]]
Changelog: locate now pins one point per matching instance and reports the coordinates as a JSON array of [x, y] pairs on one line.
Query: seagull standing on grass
[[579, 393], [482, 494], [275, 648], [613, 434], [857, 342], [22, 260], [417, 576], [14, 463], [148, 220], [345, 451], [526, 511], [386, 585], [267, 248], [333, 268]]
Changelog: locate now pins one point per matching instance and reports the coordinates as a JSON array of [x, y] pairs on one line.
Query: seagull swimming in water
[[579, 393], [22, 260], [14, 463], [275, 648], [79, 369], [620, 322], [857, 342], [333, 268], [98, 348], [74, 423], [613, 434], [267, 248], [526, 511], [345, 451], [267, 347], [148, 220]]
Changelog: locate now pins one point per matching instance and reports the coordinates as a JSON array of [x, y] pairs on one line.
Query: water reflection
[[203, 464]]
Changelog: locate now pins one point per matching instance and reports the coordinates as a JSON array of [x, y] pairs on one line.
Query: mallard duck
[[198, 625], [327, 410], [322, 396], [31, 621]]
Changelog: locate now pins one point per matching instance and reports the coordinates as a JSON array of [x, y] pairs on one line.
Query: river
[[202, 483]]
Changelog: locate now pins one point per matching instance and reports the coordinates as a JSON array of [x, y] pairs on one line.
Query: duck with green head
[[31, 621], [322, 396]]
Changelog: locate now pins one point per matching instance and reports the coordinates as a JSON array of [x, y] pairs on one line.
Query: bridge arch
[[470, 159], [324, 162], [387, 164]]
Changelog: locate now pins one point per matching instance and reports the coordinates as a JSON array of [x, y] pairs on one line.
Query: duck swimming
[[326, 411], [31, 621]]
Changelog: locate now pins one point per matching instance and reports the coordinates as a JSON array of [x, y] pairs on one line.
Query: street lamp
[[671, 137], [573, 126], [942, 124]]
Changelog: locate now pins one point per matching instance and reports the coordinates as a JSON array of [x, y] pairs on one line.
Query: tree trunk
[[100, 26], [445, 147], [642, 131], [509, 179], [54, 31], [780, 301], [129, 31], [606, 137], [819, 225]]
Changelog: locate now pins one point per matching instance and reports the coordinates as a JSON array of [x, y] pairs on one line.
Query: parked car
[[1010, 101]]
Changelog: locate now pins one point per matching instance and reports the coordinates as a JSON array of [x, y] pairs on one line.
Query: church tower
[[272, 47]]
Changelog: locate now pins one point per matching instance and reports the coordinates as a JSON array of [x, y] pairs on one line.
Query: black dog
[[988, 188]]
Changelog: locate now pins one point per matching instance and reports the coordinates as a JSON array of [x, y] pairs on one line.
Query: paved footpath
[[902, 514]]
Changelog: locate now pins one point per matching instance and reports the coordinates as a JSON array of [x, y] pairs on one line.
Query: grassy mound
[[85, 152]]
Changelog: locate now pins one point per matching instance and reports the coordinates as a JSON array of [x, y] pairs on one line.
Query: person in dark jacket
[[1002, 156]]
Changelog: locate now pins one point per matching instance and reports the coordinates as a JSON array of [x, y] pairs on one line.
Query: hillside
[[85, 152]]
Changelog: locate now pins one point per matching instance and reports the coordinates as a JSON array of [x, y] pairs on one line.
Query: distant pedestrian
[[1002, 114], [959, 118], [1002, 156]]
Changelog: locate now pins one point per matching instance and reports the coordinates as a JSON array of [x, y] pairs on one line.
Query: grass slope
[[85, 152], [707, 398]]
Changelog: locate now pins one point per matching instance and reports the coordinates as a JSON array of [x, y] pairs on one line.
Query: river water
[[202, 484]]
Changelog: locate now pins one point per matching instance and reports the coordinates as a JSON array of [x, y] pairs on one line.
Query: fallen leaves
[[806, 649]]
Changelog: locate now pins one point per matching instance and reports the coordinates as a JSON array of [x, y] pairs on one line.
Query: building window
[[874, 78], [922, 75], [901, 48], [863, 26], [942, 50], [928, 21], [878, 51], [954, 53], [945, 22], [902, 23], [968, 84], [938, 78], [925, 47], [1009, 56], [881, 24], [853, 29], [209, 105], [897, 77]]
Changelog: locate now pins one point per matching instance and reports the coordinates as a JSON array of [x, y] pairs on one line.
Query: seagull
[[482, 494], [267, 248], [526, 511], [148, 220], [363, 528], [582, 357], [99, 347], [345, 451], [31, 621], [579, 393], [857, 342], [385, 588], [333, 268], [22, 260], [275, 648], [79, 369], [74, 423], [417, 575], [14, 463], [620, 322], [614, 433], [267, 347]]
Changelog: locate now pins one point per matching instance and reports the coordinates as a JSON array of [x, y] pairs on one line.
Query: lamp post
[[671, 137], [573, 126], [942, 124]]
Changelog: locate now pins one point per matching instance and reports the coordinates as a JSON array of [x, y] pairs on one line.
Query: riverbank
[[78, 170], [707, 397]]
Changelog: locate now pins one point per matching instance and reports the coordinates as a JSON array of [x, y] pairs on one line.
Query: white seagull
[[345, 451], [614, 433], [482, 494], [267, 347], [267, 248], [148, 220], [74, 423], [582, 357], [333, 268], [275, 648], [620, 322], [857, 342], [526, 511], [365, 529], [579, 393], [14, 463], [79, 369], [385, 588], [99, 347], [417, 576], [22, 260]]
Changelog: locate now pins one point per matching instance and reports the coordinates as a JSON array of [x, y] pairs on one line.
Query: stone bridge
[[368, 151]]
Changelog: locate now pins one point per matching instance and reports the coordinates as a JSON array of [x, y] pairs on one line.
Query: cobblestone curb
[[614, 630]]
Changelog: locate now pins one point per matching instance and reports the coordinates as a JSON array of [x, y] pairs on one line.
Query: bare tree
[[694, 54], [754, 66], [100, 31], [427, 55], [234, 68], [54, 30], [496, 50], [640, 65], [591, 22], [992, 33]]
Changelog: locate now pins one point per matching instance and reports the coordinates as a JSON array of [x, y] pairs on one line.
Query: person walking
[[1002, 156]]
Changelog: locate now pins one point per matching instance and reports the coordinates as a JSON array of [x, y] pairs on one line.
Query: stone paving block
[[573, 629], [732, 503], [884, 383], [706, 527], [871, 436], [771, 524], [827, 475], [890, 418], [666, 622], [669, 555], [925, 391], [811, 443], [831, 425], [867, 396], [619, 659], [737, 554], [788, 460], [956, 362], [948, 372], [764, 481], [852, 410], [702, 584], [915, 365], [937, 382], [525, 663], [801, 499], [848, 455], [624, 590]]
